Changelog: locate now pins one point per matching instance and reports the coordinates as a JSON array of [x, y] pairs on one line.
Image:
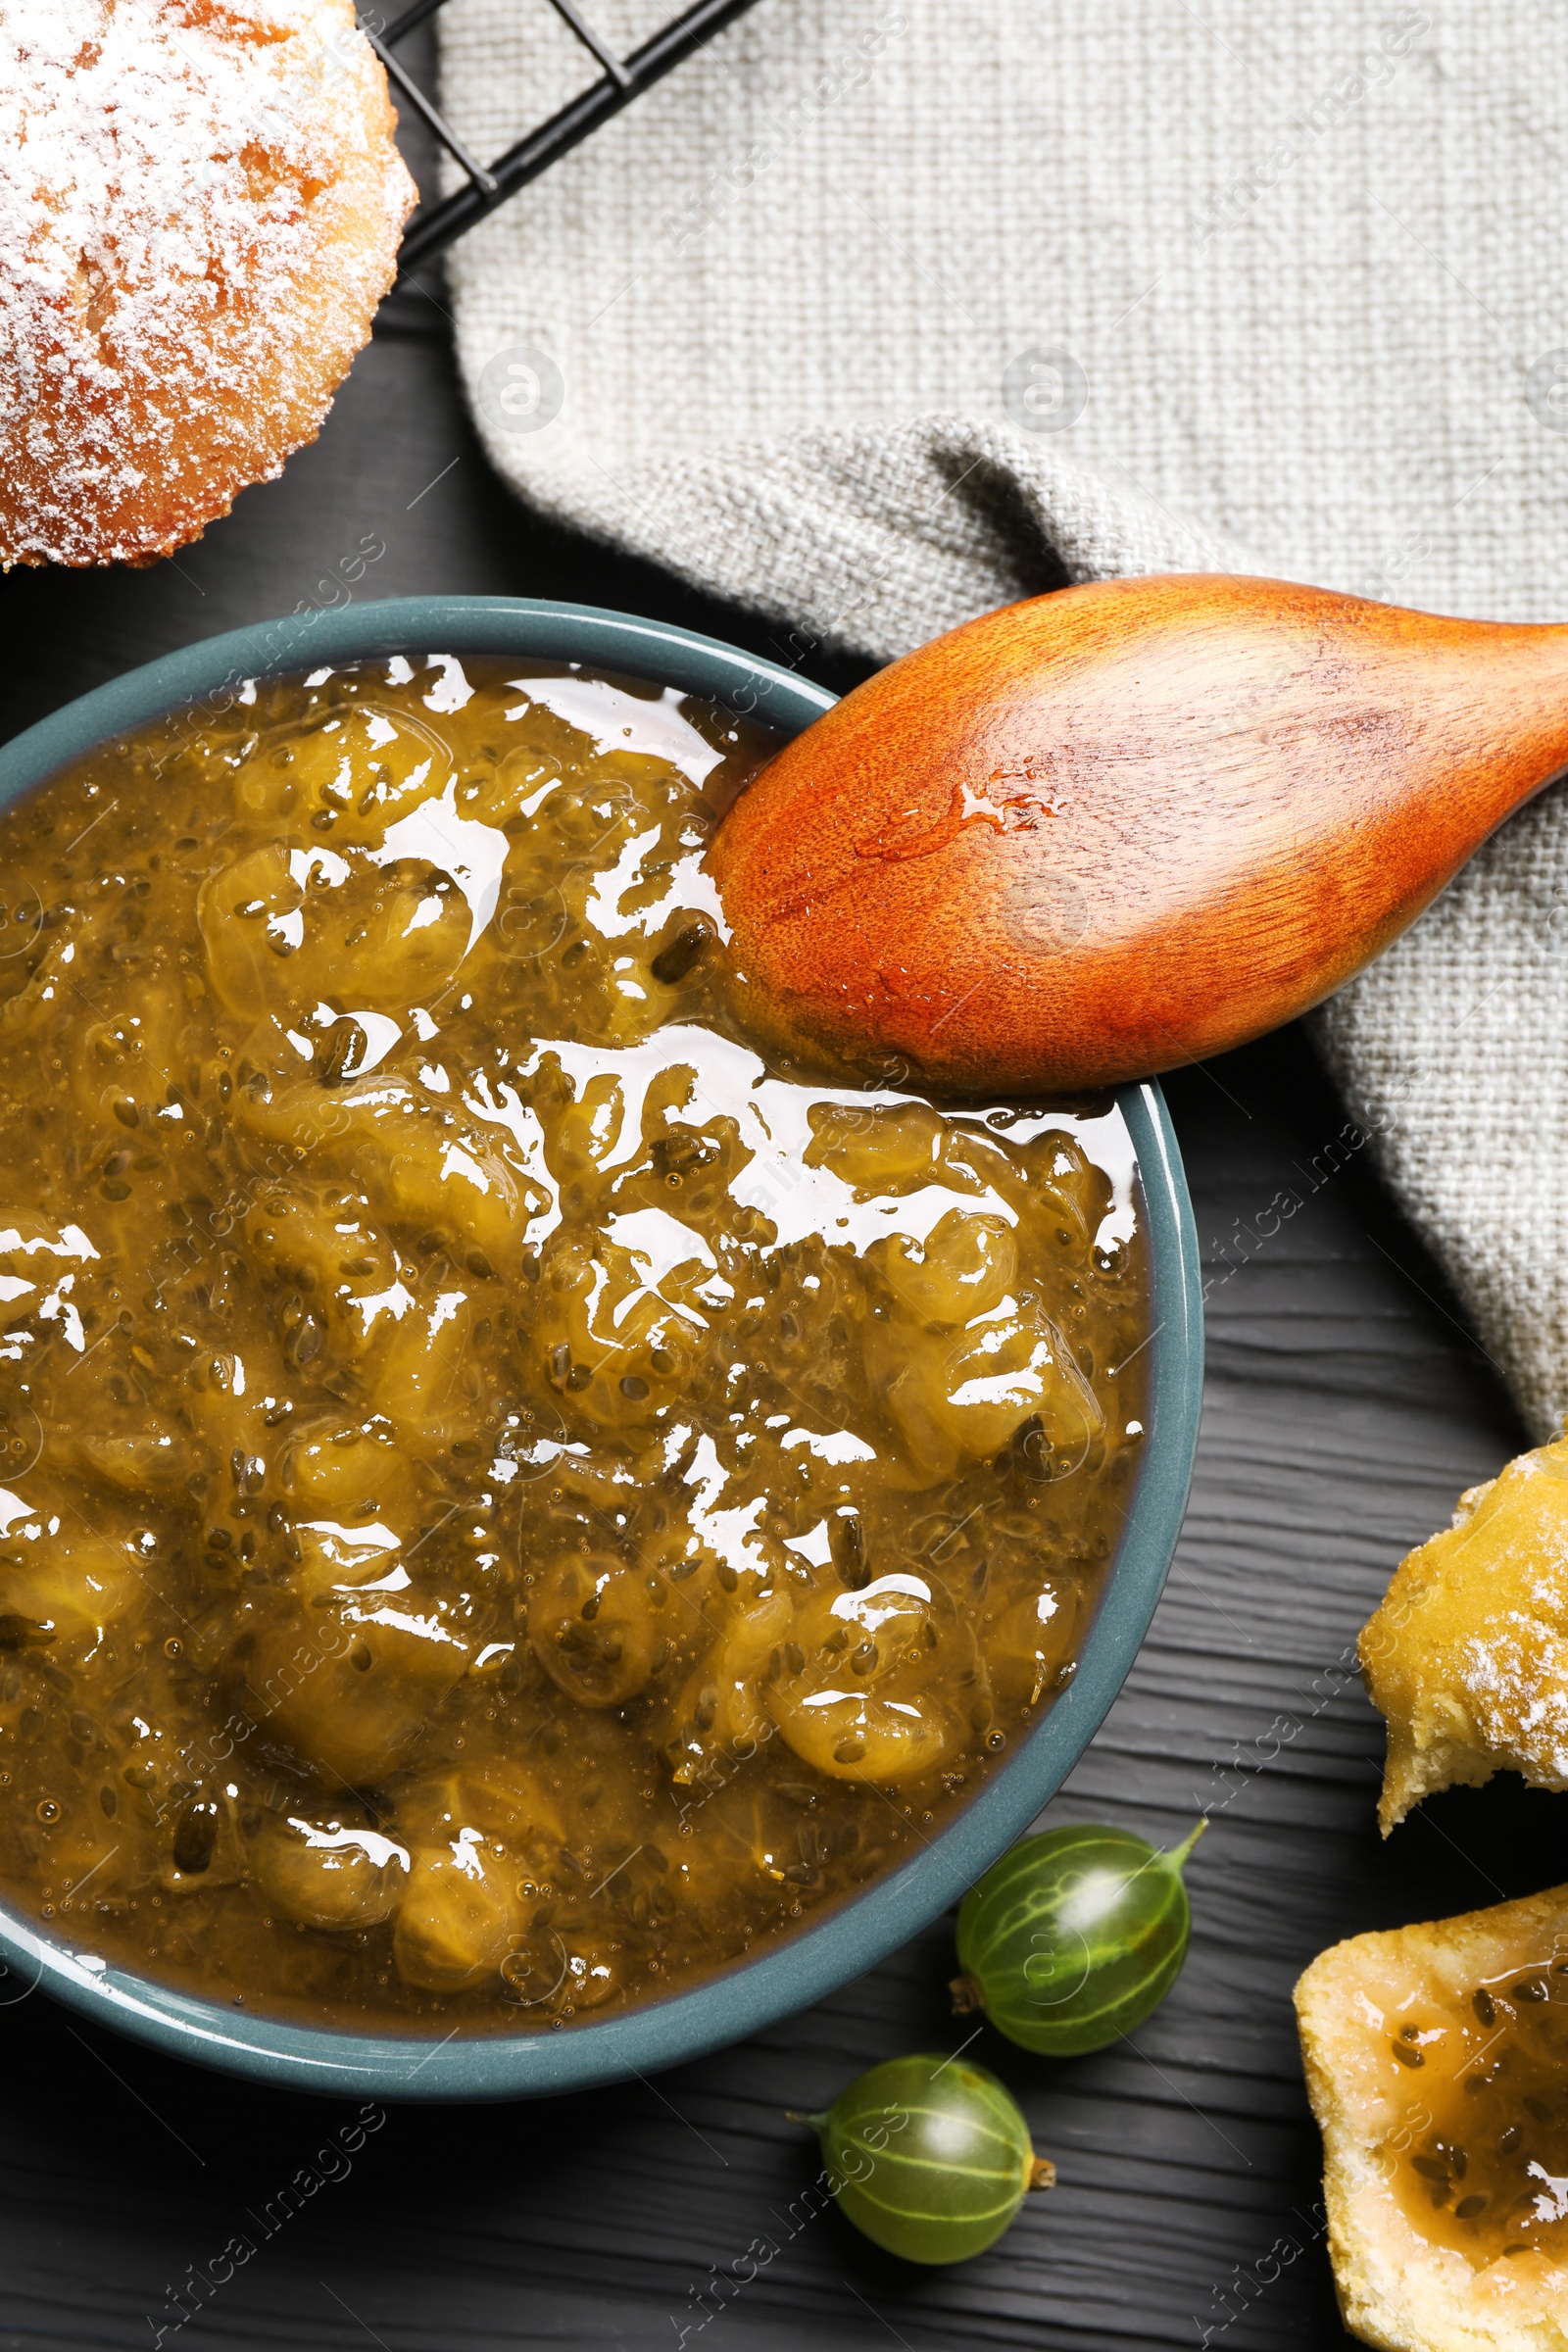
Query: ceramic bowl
[[789, 1974]]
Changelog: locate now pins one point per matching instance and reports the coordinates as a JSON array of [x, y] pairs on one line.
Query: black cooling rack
[[435, 227]]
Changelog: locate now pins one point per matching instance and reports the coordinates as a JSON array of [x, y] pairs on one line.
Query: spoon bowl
[[1115, 829]]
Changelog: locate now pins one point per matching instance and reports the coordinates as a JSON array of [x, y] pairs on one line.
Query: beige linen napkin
[[874, 315]]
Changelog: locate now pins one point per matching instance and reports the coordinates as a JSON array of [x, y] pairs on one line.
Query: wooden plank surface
[[1345, 1409]]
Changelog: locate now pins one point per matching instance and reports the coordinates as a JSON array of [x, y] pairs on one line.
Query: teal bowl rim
[[791, 1974]]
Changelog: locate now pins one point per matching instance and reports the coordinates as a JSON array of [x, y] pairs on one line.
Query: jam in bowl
[[534, 1534]]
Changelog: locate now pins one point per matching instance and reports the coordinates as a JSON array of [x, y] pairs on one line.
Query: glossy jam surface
[[1483, 2164], [506, 1497]]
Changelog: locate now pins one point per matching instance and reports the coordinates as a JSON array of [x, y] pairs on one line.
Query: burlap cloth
[[873, 317]]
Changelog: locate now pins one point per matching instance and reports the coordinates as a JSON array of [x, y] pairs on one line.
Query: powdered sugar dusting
[[199, 208], [1516, 1680], [1514, 1662]]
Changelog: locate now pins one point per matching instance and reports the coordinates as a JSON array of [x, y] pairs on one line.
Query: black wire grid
[[435, 227]]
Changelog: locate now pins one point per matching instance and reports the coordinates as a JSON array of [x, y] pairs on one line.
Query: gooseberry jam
[[509, 1496], [1483, 2166]]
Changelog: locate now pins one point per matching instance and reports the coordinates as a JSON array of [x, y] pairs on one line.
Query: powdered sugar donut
[[200, 206]]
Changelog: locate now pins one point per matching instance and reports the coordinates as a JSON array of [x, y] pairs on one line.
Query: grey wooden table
[[1347, 1406]]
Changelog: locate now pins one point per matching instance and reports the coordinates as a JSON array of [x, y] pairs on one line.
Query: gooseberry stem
[[1042, 2173], [966, 1996], [1179, 1856], [793, 2114]]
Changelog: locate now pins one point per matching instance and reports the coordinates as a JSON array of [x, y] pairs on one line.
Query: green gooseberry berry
[[1073, 1937], [929, 2157]]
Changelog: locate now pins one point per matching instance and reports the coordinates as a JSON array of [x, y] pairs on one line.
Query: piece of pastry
[[199, 207], [1468, 1655], [1437, 2063]]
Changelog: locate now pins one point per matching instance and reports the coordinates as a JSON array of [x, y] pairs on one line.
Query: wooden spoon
[[1117, 828]]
